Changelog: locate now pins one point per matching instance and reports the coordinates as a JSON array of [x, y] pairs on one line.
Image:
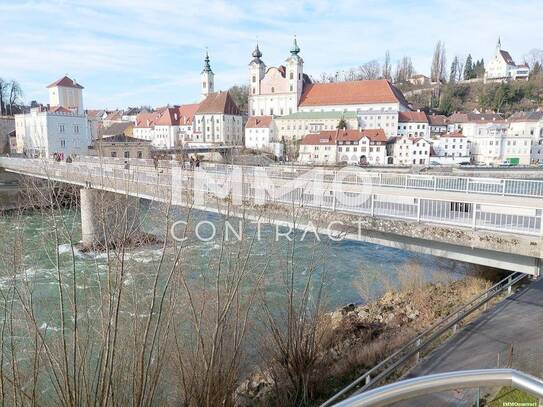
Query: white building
[[296, 125], [259, 132], [451, 148], [67, 93], [413, 124], [405, 150], [528, 124], [61, 127], [218, 120], [344, 146], [438, 124], [366, 147], [44, 132], [276, 90], [168, 127], [502, 67], [376, 102]]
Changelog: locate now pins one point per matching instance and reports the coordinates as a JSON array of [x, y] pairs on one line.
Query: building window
[[254, 79], [127, 154], [76, 128], [203, 85], [272, 89], [114, 154], [292, 75], [61, 128], [62, 143]]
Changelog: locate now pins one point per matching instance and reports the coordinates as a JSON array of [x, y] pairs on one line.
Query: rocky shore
[[359, 336]]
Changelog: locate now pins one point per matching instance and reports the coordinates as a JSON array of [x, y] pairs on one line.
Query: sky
[[150, 52]]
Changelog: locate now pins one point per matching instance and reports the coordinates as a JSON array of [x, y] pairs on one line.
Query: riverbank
[[357, 337]]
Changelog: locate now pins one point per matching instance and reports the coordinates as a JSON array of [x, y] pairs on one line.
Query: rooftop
[[255, 122], [218, 102], [319, 115], [412, 117], [66, 83], [335, 136], [351, 93]]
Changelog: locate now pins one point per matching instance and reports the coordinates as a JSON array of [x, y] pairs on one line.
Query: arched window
[[273, 89], [254, 79], [299, 76], [292, 75], [203, 85], [254, 91]]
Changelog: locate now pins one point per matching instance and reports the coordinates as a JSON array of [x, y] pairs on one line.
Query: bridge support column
[[108, 218]]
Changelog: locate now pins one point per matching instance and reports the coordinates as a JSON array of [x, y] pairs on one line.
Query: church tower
[[295, 71], [257, 70], [207, 76]]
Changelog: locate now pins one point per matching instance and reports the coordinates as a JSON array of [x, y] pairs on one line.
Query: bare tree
[[15, 92], [387, 67], [370, 70], [3, 96], [404, 70], [437, 71]]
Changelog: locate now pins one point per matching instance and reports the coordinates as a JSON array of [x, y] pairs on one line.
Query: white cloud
[[131, 52]]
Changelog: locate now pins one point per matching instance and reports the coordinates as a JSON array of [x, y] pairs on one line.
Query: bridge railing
[[413, 349], [355, 199], [479, 185]]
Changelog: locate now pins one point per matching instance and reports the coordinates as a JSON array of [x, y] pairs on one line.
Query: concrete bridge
[[493, 222]]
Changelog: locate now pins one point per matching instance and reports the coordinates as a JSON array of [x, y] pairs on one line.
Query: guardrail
[[439, 382], [422, 341], [343, 197], [477, 185]]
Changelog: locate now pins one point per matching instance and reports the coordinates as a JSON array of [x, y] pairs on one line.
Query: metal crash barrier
[[407, 389]]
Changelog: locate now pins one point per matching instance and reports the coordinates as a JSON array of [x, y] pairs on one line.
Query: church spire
[[257, 54], [207, 67], [295, 49], [499, 46]]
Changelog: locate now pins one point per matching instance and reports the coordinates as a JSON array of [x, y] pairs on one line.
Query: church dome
[[295, 49], [256, 53]]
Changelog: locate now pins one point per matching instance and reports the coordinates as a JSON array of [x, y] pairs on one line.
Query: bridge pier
[[108, 218]]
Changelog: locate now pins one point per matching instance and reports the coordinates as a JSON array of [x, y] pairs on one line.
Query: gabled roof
[[187, 113], [351, 93], [94, 113], [259, 122], [412, 117], [146, 119], [474, 117], [66, 83], [59, 109], [121, 138], [324, 138], [115, 129], [507, 57], [437, 120], [452, 134], [319, 115], [336, 136], [218, 102], [526, 116]]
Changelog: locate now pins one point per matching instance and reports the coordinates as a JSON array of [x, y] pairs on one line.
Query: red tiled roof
[[67, 83], [453, 134], [218, 102], [147, 119], [475, 117], [59, 109], [333, 136], [187, 112], [437, 120], [351, 93], [412, 117], [259, 122], [327, 138]]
